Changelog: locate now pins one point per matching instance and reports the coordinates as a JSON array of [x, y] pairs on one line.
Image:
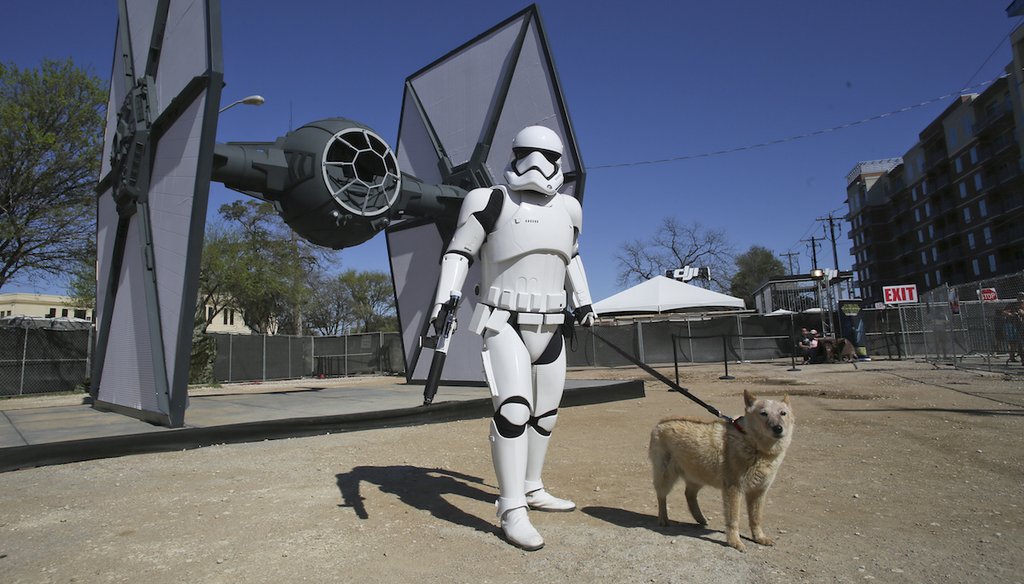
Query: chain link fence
[[694, 339], [979, 325], [269, 357], [43, 355]]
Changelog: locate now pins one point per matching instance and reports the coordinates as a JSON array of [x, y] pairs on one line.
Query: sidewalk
[[70, 432]]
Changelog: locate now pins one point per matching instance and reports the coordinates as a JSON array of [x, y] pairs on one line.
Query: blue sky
[[644, 80]]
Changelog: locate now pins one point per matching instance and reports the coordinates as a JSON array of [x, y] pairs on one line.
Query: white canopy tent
[[661, 295]]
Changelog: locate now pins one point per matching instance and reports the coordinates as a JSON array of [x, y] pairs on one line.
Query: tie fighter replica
[[335, 182]]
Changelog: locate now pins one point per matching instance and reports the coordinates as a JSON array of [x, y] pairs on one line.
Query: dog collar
[[736, 424]]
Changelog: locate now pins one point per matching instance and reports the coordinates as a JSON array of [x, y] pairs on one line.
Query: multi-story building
[[41, 306], [31, 305], [951, 210]]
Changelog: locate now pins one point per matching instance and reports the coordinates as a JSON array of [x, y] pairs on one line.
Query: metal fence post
[[264, 357], [346, 355], [24, 355], [231, 355], [88, 357], [639, 331], [689, 338], [990, 348], [739, 333]]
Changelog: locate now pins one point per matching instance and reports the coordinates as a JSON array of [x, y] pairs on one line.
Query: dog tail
[[659, 455]]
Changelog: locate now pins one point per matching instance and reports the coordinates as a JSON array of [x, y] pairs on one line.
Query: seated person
[[804, 343], [812, 347]]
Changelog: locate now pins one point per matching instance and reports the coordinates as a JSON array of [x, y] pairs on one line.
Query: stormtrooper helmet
[[536, 161]]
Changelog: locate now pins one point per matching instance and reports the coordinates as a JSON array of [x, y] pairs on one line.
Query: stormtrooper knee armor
[[525, 236]]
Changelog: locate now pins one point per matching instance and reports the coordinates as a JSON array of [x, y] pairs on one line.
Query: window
[[959, 163], [225, 317], [917, 215], [982, 209], [978, 184], [927, 209], [63, 312], [967, 214], [913, 193], [79, 313], [935, 254], [920, 236], [977, 269], [210, 314], [963, 190], [970, 240], [928, 280], [987, 236], [924, 258], [992, 262], [231, 319], [52, 313], [974, 155], [938, 277], [931, 232]]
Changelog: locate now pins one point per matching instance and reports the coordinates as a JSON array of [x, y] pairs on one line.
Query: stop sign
[[989, 295]]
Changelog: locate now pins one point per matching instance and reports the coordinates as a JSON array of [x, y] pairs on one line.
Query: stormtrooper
[[526, 236]]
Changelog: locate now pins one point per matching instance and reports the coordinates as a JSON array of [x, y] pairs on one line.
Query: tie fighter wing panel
[[459, 116], [158, 149]]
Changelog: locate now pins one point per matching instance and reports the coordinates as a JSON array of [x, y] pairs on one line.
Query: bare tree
[[675, 245]]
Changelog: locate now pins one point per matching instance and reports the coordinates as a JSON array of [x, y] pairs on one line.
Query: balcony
[[985, 124]]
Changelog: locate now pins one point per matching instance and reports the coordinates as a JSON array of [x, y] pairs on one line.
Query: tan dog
[[718, 454]]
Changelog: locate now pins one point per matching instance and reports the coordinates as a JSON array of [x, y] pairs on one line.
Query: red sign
[[899, 294], [989, 295]]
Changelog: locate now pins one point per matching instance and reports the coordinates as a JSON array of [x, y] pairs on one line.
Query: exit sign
[[899, 294]]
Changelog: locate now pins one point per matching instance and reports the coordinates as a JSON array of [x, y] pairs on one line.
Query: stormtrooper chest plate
[[524, 258]]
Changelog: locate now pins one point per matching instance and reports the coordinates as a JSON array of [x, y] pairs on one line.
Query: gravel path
[[898, 472]]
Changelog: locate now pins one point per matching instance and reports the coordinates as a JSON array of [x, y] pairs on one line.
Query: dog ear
[[748, 398], [785, 399]]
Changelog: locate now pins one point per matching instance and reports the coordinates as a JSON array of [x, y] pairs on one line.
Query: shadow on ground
[[422, 488], [632, 519]]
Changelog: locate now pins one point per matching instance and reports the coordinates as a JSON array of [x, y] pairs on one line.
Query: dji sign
[[900, 294], [685, 274]]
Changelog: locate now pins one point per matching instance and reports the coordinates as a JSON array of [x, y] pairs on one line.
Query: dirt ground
[[898, 472]]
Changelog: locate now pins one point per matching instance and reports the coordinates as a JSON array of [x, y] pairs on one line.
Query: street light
[[251, 100], [818, 275]]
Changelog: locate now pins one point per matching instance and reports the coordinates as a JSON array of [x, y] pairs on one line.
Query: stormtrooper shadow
[[422, 488]]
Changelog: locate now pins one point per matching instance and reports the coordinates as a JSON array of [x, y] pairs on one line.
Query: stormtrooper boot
[[509, 456], [536, 497]]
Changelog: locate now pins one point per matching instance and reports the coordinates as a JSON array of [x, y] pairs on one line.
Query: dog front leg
[[731, 498], [755, 511]]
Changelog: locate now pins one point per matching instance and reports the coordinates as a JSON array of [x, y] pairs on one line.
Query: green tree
[[51, 141], [753, 268], [676, 245], [252, 262], [371, 301]]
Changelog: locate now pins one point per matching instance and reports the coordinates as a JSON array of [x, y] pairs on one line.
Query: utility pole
[[789, 256], [814, 250], [832, 235]]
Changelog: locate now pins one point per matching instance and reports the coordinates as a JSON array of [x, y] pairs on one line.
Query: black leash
[[673, 385]]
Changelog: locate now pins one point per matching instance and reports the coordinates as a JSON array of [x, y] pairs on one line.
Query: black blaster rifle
[[445, 328]]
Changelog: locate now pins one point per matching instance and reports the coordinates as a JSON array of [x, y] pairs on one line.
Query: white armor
[[525, 236]]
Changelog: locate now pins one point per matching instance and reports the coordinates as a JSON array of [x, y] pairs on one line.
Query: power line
[[799, 136], [994, 49]]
